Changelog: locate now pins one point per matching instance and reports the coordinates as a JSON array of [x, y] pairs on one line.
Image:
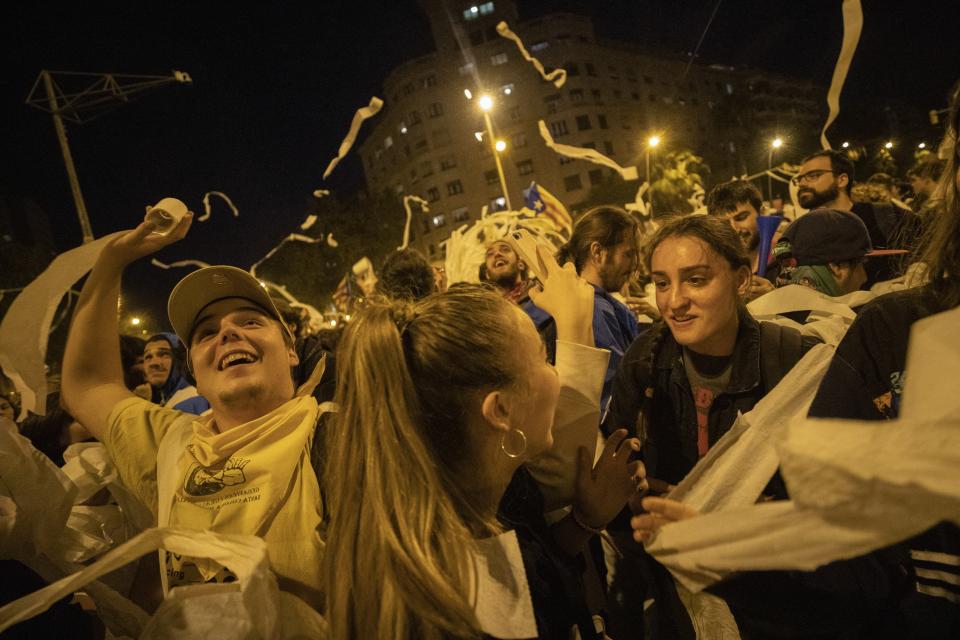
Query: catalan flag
[[546, 204]]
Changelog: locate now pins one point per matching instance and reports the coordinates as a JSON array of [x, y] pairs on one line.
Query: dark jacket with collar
[[669, 431]]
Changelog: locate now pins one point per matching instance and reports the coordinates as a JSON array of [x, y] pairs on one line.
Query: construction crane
[[79, 98]]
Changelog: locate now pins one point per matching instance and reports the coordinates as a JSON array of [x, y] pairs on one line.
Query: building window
[[455, 187], [439, 220], [441, 138], [572, 183], [525, 167], [435, 109], [472, 13], [519, 141], [583, 123], [433, 194], [420, 146], [729, 89], [539, 46], [572, 69], [596, 96], [590, 70], [608, 147], [426, 168], [428, 81], [559, 128], [514, 113], [388, 142], [465, 69], [402, 127], [497, 60], [498, 204], [602, 121], [460, 215], [414, 118], [565, 160], [492, 177], [506, 89], [595, 177], [576, 95], [448, 162]]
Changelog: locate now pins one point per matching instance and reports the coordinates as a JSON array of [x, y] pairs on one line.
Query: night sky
[[275, 87]]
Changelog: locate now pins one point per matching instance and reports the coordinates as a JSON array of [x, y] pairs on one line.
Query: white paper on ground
[[362, 114], [26, 325], [502, 601], [581, 153], [557, 76]]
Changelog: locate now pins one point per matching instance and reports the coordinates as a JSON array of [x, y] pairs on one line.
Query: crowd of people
[[556, 402]]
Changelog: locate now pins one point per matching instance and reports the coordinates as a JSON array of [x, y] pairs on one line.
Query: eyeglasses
[[810, 176]]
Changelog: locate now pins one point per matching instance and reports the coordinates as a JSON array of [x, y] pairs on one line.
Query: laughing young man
[[245, 468]]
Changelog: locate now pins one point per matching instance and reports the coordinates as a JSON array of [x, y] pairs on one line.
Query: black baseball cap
[[822, 236]]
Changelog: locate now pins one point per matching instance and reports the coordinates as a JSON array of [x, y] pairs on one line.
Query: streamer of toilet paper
[[293, 237], [26, 325], [179, 263], [852, 26], [558, 76], [362, 114], [309, 222], [206, 205], [406, 227], [590, 155]]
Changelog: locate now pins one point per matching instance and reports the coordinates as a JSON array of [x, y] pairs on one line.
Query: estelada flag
[[341, 297], [544, 203]]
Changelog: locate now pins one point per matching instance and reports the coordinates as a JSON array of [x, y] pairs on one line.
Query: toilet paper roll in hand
[[166, 214]]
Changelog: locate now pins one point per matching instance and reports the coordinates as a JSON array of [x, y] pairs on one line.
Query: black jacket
[[670, 431]]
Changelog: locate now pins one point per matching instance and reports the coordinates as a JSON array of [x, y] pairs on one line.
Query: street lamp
[[776, 144], [135, 321], [889, 145], [922, 145], [486, 104], [652, 142]]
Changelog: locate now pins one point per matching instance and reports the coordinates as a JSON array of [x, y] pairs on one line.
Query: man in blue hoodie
[[166, 374]]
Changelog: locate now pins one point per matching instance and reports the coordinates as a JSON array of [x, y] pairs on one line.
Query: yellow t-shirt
[[255, 479]]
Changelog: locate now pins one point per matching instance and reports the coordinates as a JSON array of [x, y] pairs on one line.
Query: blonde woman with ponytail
[[447, 404]]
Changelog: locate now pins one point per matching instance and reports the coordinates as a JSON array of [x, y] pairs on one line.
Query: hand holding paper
[[660, 511], [140, 242]]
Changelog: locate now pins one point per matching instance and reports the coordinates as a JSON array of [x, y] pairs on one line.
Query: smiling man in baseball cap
[[826, 249], [242, 469]]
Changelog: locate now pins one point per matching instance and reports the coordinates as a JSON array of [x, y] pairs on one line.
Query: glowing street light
[[468, 94], [485, 103], [653, 141], [845, 145], [922, 145], [889, 145], [135, 321], [775, 144]]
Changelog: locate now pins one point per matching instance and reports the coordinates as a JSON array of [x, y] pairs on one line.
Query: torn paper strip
[[293, 237], [331, 241], [26, 325], [557, 76], [406, 227], [206, 204], [319, 193], [590, 155], [852, 26], [309, 222], [179, 263], [362, 114]]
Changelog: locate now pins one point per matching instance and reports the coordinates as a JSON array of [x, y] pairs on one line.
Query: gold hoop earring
[[514, 443]]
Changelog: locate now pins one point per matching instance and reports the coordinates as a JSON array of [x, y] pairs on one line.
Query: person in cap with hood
[[826, 250], [170, 386], [244, 468]]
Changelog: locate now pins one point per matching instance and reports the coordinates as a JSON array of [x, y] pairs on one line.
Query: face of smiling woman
[[240, 360], [697, 294]]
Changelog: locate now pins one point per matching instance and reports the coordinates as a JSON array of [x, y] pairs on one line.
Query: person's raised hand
[[602, 489], [140, 242], [660, 511], [565, 296]]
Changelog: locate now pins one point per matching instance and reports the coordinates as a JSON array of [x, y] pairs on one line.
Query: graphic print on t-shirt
[[205, 481], [703, 399]]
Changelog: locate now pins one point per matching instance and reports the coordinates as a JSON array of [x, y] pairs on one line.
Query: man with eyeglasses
[[824, 181]]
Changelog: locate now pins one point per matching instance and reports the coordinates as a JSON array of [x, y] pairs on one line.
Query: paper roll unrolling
[[362, 114], [26, 325], [206, 205], [557, 76], [406, 227], [590, 155], [166, 215], [852, 26]]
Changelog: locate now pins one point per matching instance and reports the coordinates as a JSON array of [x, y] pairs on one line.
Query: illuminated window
[[439, 220], [506, 89], [486, 8], [472, 13], [388, 142], [539, 46], [465, 69], [497, 60]]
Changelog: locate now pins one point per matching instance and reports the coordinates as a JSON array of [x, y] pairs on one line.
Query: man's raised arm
[[92, 376]]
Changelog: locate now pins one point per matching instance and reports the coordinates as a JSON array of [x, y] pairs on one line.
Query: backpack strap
[[780, 349]]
